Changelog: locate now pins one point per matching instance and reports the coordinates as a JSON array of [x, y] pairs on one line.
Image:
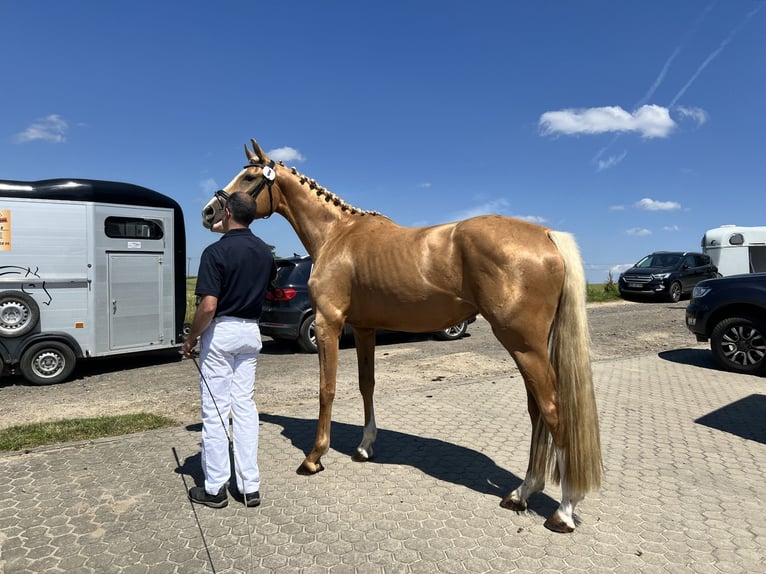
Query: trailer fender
[[65, 338]]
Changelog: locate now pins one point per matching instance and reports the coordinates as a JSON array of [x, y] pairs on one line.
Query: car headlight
[[661, 275], [699, 291]]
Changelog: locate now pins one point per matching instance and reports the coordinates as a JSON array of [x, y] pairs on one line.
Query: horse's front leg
[[327, 345], [365, 356]]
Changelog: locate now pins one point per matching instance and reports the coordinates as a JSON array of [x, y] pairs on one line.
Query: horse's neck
[[310, 216]]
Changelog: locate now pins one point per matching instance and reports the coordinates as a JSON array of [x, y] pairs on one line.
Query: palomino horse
[[527, 281]]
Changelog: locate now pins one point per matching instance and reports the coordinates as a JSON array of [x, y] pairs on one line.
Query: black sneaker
[[253, 499], [200, 496]]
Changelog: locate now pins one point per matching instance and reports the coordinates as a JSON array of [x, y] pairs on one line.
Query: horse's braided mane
[[328, 195]]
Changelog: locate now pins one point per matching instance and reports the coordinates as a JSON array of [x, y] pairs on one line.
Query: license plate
[[635, 285]]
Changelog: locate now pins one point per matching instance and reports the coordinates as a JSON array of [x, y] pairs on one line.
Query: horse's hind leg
[[365, 355], [534, 480], [563, 519], [542, 404]]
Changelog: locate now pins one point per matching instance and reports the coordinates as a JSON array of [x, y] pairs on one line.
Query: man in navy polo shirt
[[233, 277]]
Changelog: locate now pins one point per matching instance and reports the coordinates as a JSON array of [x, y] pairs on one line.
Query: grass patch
[[23, 437], [191, 299], [603, 292]]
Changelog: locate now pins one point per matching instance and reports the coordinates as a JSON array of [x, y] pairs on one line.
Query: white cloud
[[425, 185], [532, 219], [610, 161], [697, 114], [615, 270], [651, 121], [285, 154], [654, 205], [209, 185], [487, 208], [616, 208], [638, 232], [51, 128], [671, 228]]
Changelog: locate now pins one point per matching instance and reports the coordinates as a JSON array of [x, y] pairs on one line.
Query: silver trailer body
[[736, 249], [87, 269]]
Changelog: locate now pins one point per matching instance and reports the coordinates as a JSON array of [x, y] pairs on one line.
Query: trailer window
[[132, 228]]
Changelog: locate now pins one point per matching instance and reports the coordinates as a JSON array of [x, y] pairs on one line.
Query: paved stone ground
[[684, 451]]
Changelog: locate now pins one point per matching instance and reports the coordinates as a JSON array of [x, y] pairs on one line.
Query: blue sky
[[635, 125]]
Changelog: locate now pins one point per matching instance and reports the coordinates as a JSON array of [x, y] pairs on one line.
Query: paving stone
[[678, 496]]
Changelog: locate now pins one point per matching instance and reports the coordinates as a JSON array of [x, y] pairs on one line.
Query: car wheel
[[452, 333], [307, 337], [19, 314], [47, 363], [739, 345], [674, 293]]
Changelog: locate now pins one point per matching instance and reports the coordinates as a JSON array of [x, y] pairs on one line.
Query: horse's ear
[[257, 154], [251, 157]]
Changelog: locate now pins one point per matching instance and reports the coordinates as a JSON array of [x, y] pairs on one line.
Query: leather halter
[[267, 180]]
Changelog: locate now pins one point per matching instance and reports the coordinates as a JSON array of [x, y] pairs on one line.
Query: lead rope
[[236, 460]]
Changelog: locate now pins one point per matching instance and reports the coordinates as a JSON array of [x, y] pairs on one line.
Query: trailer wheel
[[19, 313], [47, 363]]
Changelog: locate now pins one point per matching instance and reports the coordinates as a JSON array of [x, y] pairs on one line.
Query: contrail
[[726, 41], [675, 53]]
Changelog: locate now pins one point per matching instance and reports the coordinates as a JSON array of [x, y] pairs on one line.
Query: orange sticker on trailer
[[5, 229]]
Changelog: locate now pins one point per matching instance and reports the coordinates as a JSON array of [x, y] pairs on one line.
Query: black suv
[[287, 313], [731, 313], [667, 274]]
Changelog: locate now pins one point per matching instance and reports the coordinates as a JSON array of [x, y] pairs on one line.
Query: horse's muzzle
[[208, 216]]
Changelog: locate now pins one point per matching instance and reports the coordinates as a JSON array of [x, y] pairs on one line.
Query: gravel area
[[163, 383]]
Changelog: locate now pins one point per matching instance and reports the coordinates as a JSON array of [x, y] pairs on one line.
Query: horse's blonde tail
[[570, 357]]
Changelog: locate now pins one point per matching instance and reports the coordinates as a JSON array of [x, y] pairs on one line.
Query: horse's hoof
[[557, 525], [515, 505], [309, 468], [362, 455]]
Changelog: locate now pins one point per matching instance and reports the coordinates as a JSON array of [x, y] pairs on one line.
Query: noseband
[[269, 176]]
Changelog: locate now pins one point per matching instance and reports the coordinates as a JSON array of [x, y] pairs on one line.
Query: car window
[[659, 260], [293, 273]]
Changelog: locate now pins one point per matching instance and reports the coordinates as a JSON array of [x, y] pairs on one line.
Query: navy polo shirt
[[237, 270]]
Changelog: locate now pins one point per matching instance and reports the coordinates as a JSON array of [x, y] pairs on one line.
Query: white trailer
[[735, 249], [87, 269]]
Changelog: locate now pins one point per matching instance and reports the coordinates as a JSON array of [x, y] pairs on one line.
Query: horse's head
[[257, 176]]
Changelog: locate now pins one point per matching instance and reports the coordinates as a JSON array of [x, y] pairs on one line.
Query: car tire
[[674, 292], [19, 314], [452, 333], [307, 339], [47, 363], [739, 345]]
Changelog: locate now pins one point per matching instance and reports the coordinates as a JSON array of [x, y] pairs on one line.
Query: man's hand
[[189, 348]]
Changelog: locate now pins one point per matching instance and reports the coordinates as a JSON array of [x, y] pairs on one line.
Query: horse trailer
[[735, 249], [87, 269]]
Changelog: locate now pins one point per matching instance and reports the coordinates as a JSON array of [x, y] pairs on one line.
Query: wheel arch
[[734, 310], [59, 337]]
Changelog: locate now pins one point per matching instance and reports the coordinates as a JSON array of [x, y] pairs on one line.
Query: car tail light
[[281, 294]]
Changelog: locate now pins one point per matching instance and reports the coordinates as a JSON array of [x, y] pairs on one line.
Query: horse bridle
[[269, 176]]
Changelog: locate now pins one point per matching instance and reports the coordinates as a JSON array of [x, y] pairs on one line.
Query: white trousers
[[228, 357]]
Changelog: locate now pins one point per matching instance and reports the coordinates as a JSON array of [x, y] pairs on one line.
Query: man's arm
[[202, 318]]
